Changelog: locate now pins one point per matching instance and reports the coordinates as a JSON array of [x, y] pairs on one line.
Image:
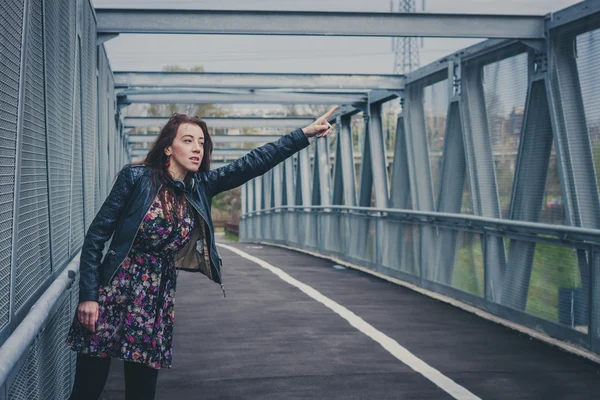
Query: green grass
[[231, 237], [554, 267], [468, 270]]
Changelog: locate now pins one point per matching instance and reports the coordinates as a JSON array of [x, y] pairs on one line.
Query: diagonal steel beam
[[314, 23], [256, 98], [226, 122], [216, 139], [224, 80]]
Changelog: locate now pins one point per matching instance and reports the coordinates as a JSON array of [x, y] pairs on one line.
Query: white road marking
[[401, 353]]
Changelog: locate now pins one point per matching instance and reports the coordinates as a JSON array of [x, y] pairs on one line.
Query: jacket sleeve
[[255, 163], [99, 232]]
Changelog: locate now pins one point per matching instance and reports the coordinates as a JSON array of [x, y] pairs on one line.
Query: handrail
[[570, 233], [23, 336]]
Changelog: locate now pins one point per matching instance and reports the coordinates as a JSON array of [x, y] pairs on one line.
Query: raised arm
[[263, 158]]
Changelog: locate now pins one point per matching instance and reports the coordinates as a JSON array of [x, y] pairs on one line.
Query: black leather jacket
[[133, 193]]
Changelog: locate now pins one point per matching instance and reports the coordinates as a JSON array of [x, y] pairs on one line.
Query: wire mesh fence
[[53, 177]]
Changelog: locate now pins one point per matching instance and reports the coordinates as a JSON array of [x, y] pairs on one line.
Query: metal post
[[480, 166], [321, 176], [572, 141], [344, 186], [452, 179], [420, 175], [528, 192], [18, 146]]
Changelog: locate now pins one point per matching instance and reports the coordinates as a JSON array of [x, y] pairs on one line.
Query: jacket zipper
[[136, 232], [209, 248], [208, 241]]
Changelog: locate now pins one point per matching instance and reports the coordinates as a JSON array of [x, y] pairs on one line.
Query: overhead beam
[[226, 122], [311, 23], [216, 139], [256, 98], [257, 81], [229, 154]]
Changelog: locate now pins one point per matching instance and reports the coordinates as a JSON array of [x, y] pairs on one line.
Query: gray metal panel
[[257, 81], [574, 152], [378, 156], [365, 185], [89, 113], [76, 214], [321, 173], [303, 182], [400, 187], [226, 122], [424, 249], [453, 174], [505, 85], [250, 195], [60, 62], [248, 22], [244, 198], [528, 193], [33, 246], [277, 185], [344, 179], [480, 167], [262, 98], [418, 153], [288, 195], [258, 194], [268, 188], [11, 25]]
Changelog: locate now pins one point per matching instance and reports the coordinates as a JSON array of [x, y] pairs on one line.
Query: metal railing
[[450, 254]]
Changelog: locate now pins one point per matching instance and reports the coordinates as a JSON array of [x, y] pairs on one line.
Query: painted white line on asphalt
[[401, 353]]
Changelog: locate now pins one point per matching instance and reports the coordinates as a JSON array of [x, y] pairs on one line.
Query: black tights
[[91, 374]]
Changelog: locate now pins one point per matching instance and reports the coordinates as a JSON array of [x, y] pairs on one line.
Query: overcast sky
[[224, 53]]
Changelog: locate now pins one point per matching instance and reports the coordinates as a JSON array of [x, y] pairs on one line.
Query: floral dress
[[136, 310]]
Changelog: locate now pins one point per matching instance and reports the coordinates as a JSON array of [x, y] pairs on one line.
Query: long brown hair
[[157, 159]]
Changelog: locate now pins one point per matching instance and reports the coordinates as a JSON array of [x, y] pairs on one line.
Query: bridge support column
[[528, 191], [420, 177], [572, 141], [453, 174], [481, 171]]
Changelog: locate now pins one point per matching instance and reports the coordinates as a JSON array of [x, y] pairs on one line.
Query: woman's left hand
[[320, 127]]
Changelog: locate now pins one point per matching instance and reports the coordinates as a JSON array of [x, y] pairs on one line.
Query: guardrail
[[42, 331], [540, 276]]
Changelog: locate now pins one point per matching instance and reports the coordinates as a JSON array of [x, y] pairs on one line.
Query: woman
[[158, 214]]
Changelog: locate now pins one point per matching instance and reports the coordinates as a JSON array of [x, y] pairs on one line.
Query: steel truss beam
[[228, 154], [256, 98], [481, 171], [311, 23], [223, 80], [321, 193], [344, 185], [226, 122], [452, 181], [528, 192], [573, 146], [420, 176], [216, 139]]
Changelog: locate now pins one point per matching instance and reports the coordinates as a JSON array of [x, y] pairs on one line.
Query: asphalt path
[[294, 327]]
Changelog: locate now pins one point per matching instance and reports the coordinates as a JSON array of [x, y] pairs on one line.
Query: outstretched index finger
[[330, 112]]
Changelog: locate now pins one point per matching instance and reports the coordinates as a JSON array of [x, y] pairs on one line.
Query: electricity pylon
[[406, 49]]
